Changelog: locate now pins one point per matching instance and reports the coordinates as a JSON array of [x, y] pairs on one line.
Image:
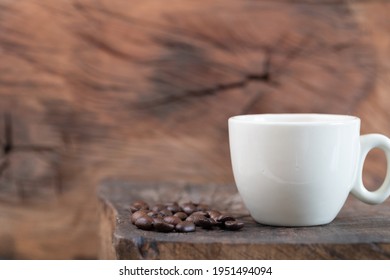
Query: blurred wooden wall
[[144, 88]]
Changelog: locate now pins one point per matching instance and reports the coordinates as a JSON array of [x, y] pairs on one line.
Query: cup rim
[[293, 119]]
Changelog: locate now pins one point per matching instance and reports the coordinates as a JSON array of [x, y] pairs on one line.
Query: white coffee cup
[[298, 169]]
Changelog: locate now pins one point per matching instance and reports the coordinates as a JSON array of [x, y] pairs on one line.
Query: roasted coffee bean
[[188, 208], [223, 218], [174, 208], [158, 207], [181, 215], [145, 222], [214, 214], [138, 214], [203, 213], [205, 223], [194, 217], [173, 220], [185, 226], [158, 220], [197, 219], [233, 225], [165, 212], [190, 219], [154, 214], [214, 222], [134, 209], [140, 204], [163, 226]]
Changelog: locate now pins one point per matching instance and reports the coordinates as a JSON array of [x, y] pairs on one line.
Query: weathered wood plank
[[360, 231]]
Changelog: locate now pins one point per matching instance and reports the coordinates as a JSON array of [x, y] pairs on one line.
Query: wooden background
[[143, 89]]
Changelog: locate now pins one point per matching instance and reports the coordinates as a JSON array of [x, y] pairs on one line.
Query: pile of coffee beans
[[185, 217]]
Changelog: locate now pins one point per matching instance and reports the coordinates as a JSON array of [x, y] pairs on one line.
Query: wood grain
[[143, 89], [360, 231]]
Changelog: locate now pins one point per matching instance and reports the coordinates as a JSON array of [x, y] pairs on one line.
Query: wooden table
[[360, 231]]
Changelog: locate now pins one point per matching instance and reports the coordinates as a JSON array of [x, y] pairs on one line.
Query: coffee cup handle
[[367, 143]]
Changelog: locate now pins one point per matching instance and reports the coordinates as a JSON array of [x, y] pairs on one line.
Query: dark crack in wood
[[263, 78]]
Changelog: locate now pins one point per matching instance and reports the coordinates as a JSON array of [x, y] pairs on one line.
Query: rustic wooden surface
[[140, 88], [360, 231]]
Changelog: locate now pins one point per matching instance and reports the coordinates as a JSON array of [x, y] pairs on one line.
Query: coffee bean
[[203, 213], [190, 219], [137, 208], [234, 225], [194, 217], [214, 214], [173, 220], [153, 214], [205, 223], [197, 219], [223, 218], [158, 207], [145, 222], [138, 214], [214, 222], [140, 204], [165, 212], [158, 220], [185, 226], [174, 208], [181, 215], [163, 226], [188, 208]]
